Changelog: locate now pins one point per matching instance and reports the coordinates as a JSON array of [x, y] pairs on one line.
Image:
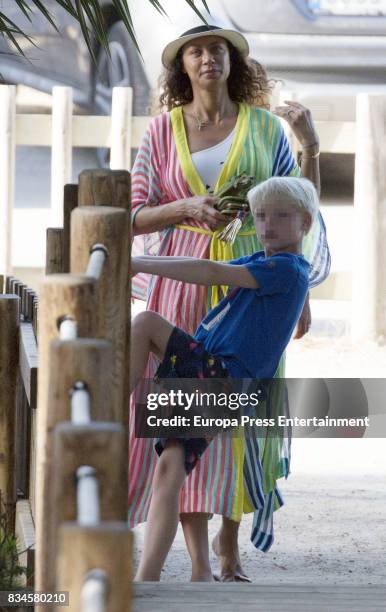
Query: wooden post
[[55, 251], [86, 360], [99, 445], [7, 172], [369, 278], [104, 188], [9, 357], [107, 547], [70, 202], [61, 154], [121, 128], [22, 439], [60, 295], [108, 226]]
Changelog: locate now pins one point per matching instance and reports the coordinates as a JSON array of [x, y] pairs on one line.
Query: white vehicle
[[321, 41], [338, 43]]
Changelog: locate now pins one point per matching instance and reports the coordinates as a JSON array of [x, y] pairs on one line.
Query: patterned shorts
[[185, 357]]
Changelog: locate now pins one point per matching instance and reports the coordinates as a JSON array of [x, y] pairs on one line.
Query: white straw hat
[[172, 48]]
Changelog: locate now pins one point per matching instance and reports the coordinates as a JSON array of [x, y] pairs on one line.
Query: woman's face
[[206, 61]]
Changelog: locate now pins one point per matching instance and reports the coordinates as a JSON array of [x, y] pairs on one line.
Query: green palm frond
[[89, 15]]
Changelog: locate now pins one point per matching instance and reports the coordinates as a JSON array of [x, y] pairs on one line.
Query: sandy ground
[[332, 528]]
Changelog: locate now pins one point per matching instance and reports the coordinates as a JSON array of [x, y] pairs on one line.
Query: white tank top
[[209, 162]]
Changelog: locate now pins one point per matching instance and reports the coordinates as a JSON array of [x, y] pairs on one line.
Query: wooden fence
[[73, 434]]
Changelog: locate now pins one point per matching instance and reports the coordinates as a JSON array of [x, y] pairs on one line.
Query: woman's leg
[[149, 333], [225, 546], [162, 519], [195, 526]]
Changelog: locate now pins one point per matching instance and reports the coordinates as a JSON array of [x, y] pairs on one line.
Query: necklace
[[202, 123]]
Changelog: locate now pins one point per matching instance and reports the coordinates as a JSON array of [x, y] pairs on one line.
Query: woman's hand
[[300, 121], [304, 322], [202, 209]]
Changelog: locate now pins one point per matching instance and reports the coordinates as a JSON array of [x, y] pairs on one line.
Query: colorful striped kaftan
[[234, 475]]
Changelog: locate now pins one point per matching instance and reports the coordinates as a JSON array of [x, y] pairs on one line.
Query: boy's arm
[[197, 271]]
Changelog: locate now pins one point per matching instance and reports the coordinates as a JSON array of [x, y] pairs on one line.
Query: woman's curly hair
[[247, 82]]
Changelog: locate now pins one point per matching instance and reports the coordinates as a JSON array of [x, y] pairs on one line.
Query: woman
[[212, 131]]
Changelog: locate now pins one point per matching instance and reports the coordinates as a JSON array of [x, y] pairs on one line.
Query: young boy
[[244, 336]]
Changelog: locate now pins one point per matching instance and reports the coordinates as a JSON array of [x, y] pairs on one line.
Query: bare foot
[[202, 576], [230, 564]]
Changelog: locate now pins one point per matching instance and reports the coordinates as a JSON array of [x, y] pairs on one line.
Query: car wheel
[[123, 69]]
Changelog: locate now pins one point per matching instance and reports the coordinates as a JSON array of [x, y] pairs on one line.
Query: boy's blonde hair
[[299, 191]]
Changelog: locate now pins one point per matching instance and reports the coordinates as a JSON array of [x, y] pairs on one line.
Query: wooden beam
[[87, 131], [9, 357], [28, 362], [59, 295], [55, 251], [25, 532], [104, 188], [107, 547], [110, 227], [258, 597], [70, 203], [369, 278]]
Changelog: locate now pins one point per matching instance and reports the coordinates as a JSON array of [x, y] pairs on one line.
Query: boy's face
[[279, 224]]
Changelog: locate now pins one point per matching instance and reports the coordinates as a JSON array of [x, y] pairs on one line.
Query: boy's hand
[[304, 322], [134, 266]]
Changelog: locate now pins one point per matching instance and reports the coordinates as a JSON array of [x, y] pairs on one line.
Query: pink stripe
[[181, 303]]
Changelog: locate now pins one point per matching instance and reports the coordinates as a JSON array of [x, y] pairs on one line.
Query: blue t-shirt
[[255, 325]]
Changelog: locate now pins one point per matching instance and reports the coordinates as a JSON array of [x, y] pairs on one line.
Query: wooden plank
[[336, 136], [61, 150], [87, 131], [55, 250], [227, 597], [28, 362], [22, 442], [74, 296], [7, 172], [107, 547], [9, 334], [32, 462], [30, 304], [35, 316], [104, 188], [70, 203], [25, 532], [95, 131], [121, 128], [369, 305], [110, 227]]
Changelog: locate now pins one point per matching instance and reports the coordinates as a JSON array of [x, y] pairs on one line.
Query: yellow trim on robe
[[188, 168]]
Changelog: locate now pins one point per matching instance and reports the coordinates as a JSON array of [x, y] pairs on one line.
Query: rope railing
[[94, 592], [79, 502], [97, 259], [80, 404], [78, 446], [87, 496]]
